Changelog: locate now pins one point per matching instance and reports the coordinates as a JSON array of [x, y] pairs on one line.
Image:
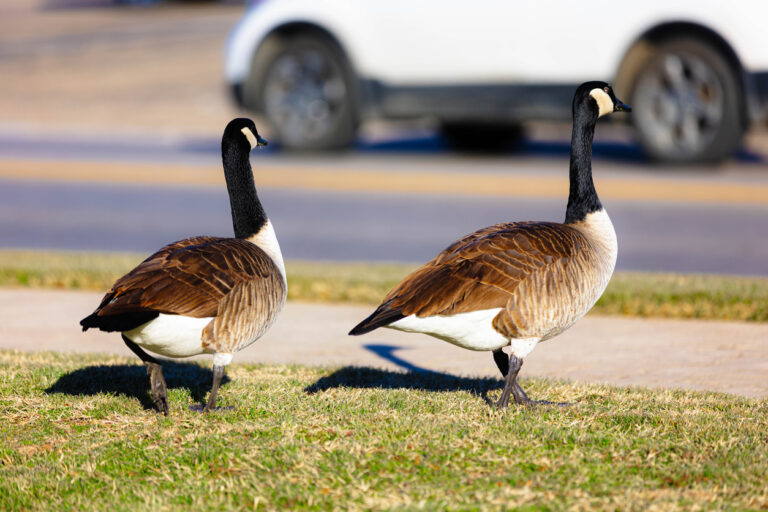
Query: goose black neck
[[582, 198], [248, 216]]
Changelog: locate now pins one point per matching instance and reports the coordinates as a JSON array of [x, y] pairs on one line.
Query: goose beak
[[261, 141], [621, 107]]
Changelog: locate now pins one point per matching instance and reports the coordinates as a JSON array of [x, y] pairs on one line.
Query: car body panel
[[434, 42]]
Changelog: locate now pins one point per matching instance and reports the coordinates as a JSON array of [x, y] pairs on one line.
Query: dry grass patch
[[648, 294], [642, 294], [76, 434]]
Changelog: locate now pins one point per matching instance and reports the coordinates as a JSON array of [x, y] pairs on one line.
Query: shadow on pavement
[[133, 381], [414, 378], [625, 152], [622, 152]]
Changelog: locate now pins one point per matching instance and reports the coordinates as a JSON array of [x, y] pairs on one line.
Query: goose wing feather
[[513, 266], [245, 313], [189, 277]]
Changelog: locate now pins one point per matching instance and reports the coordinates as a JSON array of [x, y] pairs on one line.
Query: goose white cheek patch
[[604, 102], [250, 136]]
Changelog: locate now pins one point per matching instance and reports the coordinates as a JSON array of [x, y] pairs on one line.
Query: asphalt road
[[312, 224]]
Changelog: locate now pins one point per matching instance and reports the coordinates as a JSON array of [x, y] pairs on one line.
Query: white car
[[694, 71]]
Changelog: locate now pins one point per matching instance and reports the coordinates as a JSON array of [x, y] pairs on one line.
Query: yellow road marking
[[419, 182]]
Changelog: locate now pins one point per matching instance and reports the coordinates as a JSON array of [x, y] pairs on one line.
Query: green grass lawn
[[76, 433], [629, 293]]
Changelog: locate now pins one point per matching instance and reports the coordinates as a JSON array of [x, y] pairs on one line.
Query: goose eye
[[605, 89]]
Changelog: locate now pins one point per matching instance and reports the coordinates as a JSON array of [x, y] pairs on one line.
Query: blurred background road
[[110, 120]]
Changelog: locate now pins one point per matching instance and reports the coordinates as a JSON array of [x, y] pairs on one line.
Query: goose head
[[242, 132], [599, 99]]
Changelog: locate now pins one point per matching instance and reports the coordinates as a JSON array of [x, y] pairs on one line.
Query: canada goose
[[516, 283], [203, 294]]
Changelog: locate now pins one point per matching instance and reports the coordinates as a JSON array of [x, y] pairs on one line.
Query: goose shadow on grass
[[131, 380], [414, 377]]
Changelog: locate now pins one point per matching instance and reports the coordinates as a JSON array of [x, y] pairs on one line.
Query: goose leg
[[155, 371], [521, 397], [502, 361], [511, 387], [218, 374], [220, 361]]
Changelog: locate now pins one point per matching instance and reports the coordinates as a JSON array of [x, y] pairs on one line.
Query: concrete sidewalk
[[703, 355]]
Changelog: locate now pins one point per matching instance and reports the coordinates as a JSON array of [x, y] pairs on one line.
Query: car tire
[[687, 104], [481, 137], [305, 89]]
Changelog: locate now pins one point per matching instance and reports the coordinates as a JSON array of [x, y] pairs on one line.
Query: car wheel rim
[[304, 95], [679, 104]]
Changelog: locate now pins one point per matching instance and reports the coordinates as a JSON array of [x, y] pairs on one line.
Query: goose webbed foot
[[536, 403], [509, 368], [201, 408], [522, 398], [516, 392]]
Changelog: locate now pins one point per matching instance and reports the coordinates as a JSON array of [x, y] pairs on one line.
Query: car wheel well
[[295, 29]]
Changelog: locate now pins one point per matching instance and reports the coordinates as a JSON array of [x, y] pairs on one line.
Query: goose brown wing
[[189, 277], [483, 270]]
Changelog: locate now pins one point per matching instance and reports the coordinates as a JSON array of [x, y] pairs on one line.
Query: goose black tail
[[117, 323], [91, 321], [379, 318]]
